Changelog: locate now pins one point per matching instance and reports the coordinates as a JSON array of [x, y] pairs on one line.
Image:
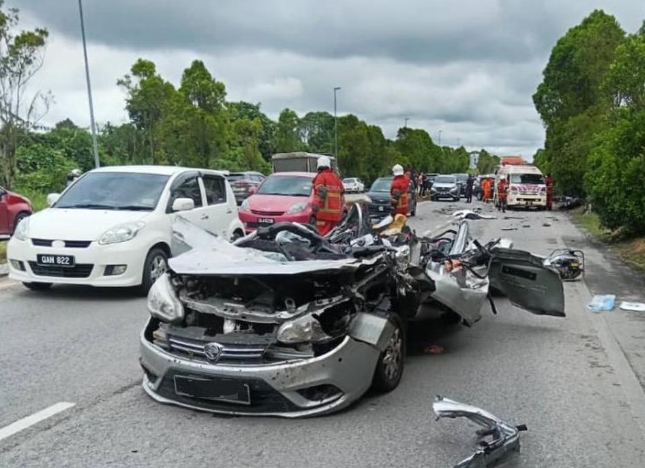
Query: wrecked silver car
[[285, 322]]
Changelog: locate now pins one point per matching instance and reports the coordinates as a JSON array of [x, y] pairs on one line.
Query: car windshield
[[527, 179], [444, 180], [292, 186], [115, 191], [349, 181], [382, 185]]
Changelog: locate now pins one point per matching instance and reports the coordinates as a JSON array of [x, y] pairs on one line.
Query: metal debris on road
[[546, 225], [633, 306], [498, 440], [468, 214], [509, 229], [602, 303]]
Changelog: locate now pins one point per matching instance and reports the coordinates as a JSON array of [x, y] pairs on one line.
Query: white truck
[[298, 162], [526, 186]]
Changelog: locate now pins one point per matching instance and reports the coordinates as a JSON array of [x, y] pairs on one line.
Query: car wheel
[[19, 218], [38, 286], [389, 368], [237, 235], [455, 199], [155, 265]]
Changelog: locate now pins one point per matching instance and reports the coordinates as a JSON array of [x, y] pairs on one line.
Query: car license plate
[[227, 390], [46, 260], [574, 265], [266, 221]]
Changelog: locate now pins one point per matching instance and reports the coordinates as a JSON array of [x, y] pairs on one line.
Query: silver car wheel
[[158, 267], [393, 355]]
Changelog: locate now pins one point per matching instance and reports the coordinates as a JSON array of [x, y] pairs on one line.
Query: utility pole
[[89, 87], [336, 89], [406, 122]]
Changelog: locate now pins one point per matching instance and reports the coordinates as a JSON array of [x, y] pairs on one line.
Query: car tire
[[156, 261], [455, 199], [389, 368], [237, 235], [38, 286], [19, 217]]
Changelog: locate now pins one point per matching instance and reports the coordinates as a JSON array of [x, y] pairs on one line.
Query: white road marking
[[35, 418]]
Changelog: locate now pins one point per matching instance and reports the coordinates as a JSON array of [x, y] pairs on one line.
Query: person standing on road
[[399, 191], [469, 188], [550, 186], [486, 189], [328, 192], [502, 188]]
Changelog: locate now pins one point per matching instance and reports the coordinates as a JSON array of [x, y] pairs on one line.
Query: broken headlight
[[163, 302], [305, 329]]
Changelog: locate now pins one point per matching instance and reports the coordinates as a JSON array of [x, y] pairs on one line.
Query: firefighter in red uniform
[[502, 189], [550, 186], [399, 191], [328, 197]]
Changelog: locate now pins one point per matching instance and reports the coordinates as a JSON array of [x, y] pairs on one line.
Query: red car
[[282, 197], [13, 208]]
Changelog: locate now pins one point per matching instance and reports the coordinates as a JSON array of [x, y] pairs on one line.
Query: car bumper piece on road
[[94, 264], [284, 389]]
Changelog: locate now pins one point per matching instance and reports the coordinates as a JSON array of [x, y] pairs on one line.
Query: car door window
[[188, 188], [215, 188]]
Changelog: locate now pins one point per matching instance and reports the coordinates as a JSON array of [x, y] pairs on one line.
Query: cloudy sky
[[466, 68]]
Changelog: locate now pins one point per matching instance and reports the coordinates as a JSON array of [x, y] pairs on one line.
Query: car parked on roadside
[[461, 180], [242, 183], [282, 197], [13, 209], [112, 227], [380, 204], [353, 184], [445, 186]]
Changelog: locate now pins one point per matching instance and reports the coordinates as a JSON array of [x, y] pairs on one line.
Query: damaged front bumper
[[291, 388], [503, 438]]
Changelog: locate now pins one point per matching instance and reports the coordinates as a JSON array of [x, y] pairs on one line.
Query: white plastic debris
[[468, 214], [633, 306]]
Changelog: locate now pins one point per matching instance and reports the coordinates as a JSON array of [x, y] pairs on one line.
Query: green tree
[[21, 57], [248, 111], [353, 146], [287, 138], [569, 99], [316, 130]]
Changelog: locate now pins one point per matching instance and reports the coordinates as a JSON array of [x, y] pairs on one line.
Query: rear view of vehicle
[[282, 197], [381, 200], [353, 185], [244, 183], [13, 209], [526, 188]]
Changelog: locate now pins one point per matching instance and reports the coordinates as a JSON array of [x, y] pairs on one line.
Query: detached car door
[[522, 277]]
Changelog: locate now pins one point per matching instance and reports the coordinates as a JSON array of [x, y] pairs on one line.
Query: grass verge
[[3, 251], [631, 251]]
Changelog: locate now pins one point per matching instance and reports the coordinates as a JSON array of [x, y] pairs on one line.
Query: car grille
[[79, 271], [267, 213], [264, 398], [68, 244]]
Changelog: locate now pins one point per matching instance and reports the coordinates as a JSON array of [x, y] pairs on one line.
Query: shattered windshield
[[290, 186]]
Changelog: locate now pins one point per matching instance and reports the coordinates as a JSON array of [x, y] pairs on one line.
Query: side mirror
[[183, 204], [252, 190], [52, 198]]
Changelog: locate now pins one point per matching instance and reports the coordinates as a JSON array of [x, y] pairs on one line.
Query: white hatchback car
[[113, 226], [353, 184]]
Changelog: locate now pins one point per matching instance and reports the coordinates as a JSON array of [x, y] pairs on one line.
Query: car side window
[[215, 189], [188, 188]]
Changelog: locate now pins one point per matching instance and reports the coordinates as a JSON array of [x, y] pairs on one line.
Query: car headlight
[[305, 329], [454, 189], [121, 233], [245, 206], [297, 208], [163, 303], [22, 230]]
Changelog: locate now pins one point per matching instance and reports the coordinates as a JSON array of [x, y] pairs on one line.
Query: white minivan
[[113, 226], [526, 186]]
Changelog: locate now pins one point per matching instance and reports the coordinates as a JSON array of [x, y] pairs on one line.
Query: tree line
[[592, 103], [192, 124]]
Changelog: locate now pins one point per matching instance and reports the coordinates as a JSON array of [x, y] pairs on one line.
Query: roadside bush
[[41, 169]]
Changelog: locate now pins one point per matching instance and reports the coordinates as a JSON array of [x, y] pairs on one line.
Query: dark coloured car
[[242, 183], [13, 209], [461, 180], [379, 194]]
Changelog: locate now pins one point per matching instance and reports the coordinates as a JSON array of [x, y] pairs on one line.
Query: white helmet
[[324, 161], [397, 170]]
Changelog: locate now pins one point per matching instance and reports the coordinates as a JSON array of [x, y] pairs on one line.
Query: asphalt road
[[571, 381]]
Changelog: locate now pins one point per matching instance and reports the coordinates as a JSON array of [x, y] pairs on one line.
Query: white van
[[526, 188]]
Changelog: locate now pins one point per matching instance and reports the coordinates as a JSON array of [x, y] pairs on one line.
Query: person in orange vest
[[550, 186], [486, 189], [399, 191], [502, 188], [328, 197]]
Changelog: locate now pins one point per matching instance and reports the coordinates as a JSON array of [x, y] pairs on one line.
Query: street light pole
[[336, 89], [89, 87], [406, 121]]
